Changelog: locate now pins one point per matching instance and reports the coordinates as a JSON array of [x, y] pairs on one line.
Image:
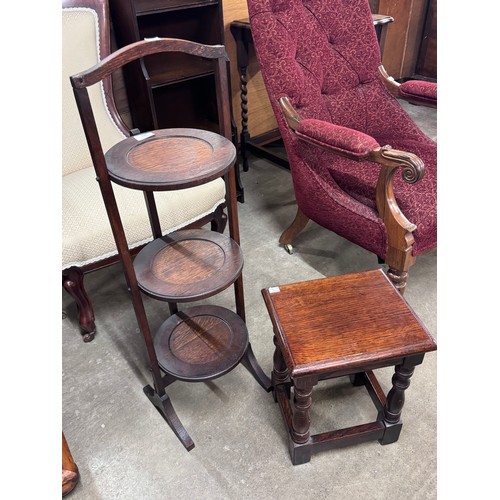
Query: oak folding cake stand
[[201, 342]]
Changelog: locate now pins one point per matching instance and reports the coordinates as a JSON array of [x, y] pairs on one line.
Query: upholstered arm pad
[[419, 92], [341, 140], [414, 91]]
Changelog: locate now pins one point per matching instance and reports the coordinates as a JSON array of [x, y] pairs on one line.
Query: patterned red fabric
[[341, 139], [419, 90], [324, 56]]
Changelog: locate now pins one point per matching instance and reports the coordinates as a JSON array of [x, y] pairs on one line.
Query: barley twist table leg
[[244, 135]]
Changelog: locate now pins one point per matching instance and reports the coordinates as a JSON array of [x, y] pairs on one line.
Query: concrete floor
[[125, 450]]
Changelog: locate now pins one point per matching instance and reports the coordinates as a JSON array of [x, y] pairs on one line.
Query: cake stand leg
[[166, 410], [250, 363]]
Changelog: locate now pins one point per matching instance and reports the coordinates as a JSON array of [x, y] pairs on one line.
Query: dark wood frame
[[146, 84], [301, 359], [150, 182]]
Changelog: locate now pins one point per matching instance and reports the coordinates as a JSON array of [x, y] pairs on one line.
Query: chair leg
[[289, 234], [399, 229], [399, 262], [398, 278], [72, 281]]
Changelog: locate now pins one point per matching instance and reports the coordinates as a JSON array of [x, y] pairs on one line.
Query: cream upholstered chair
[[87, 240]]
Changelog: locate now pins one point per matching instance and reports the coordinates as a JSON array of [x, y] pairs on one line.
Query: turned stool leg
[[280, 373], [391, 415], [300, 448]]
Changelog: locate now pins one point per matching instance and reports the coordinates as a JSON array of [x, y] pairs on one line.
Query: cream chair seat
[[87, 240]]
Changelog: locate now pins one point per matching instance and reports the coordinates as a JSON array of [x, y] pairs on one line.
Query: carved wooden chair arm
[[414, 91], [351, 143], [359, 146]]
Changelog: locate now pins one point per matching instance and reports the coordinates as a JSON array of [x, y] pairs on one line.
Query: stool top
[[187, 265], [344, 322]]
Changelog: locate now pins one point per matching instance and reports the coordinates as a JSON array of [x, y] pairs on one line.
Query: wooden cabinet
[[410, 46], [427, 57], [166, 90]]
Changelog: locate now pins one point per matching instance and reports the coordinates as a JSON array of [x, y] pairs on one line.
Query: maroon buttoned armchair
[[345, 133]]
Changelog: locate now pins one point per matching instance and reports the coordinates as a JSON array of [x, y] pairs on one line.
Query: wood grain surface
[[346, 321], [170, 159], [201, 343], [188, 265]]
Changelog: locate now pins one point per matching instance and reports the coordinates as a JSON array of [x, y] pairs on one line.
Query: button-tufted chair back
[[328, 55]]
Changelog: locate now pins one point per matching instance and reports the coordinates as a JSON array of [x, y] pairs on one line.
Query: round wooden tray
[[187, 265], [201, 343], [168, 159]]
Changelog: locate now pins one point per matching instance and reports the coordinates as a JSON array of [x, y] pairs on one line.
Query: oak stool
[[339, 326]]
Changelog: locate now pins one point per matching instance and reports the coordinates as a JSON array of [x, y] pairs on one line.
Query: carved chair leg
[[399, 229], [72, 281], [298, 224], [398, 278], [399, 262]]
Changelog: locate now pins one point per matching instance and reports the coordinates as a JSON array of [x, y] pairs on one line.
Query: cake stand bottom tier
[[201, 343]]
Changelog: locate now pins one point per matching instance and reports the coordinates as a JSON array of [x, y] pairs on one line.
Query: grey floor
[[125, 450]]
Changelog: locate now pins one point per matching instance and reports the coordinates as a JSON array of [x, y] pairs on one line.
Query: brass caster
[[88, 337], [289, 248]]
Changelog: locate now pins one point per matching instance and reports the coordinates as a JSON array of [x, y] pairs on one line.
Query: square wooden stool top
[[344, 325]]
